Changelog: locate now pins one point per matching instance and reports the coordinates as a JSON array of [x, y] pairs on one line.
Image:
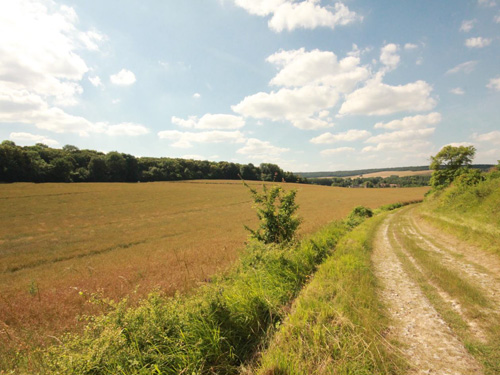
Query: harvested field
[[385, 174], [59, 243]]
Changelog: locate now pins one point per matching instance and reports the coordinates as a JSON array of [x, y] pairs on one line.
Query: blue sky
[[307, 84]]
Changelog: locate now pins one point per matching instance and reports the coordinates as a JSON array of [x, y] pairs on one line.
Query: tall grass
[[337, 322], [471, 212], [213, 331]]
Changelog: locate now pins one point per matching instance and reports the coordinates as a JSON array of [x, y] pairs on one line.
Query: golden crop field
[[61, 242], [385, 174]]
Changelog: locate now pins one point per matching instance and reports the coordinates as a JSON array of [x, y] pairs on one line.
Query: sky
[[307, 84]]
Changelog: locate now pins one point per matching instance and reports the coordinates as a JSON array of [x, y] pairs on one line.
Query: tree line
[[41, 163], [374, 182]]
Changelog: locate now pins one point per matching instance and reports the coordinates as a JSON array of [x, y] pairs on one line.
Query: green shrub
[[358, 215], [276, 212]]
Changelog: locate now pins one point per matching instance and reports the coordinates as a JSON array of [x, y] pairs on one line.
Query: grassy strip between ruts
[[213, 331], [337, 322]]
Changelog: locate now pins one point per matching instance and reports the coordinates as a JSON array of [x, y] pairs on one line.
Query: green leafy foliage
[[41, 163], [276, 212], [449, 163], [358, 215]]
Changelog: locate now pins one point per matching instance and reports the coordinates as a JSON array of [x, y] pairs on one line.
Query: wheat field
[[61, 243]]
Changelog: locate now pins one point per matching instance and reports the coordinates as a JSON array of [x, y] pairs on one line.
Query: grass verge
[[337, 322], [213, 331]]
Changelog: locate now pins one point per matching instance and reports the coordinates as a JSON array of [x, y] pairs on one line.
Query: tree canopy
[[449, 163], [40, 163]]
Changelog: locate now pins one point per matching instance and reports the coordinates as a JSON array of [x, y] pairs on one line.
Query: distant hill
[[397, 171]]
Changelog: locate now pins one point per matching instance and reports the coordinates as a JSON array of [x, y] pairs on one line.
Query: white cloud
[[126, 128], [348, 136], [401, 135], [478, 42], [497, 18], [466, 67], [257, 149], [419, 61], [457, 91], [194, 157], [467, 25], [96, 81], [378, 98], [300, 68], [491, 137], [196, 95], [260, 7], [24, 107], [290, 15], [123, 78], [336, 151], [414, 122], [209, 121], [91, 39], [186, 139], [494, 84], [409, 150], [295, 105], [30, 139], [38, 43], [487, 3], [389, 56], [410, 46], [40, 68]]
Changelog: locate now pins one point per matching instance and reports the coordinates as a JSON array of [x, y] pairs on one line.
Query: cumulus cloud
[[348, 136], [494, 84], [290, 15], [467, 25], [194, 157], [497, 18], [41, 70], [295, 105], [478, 42], [487, 3], [410, 46], [257, 149], [389, 56], [196, 95], [419, 149], [96, 81], [186, 139], [30, 139], [401, 135], [378, 98], [300, 68], [126, 128], [210, 121], [336, 151], [91, 39], [123, 78], [466, 67], [457, 91], [491, 137], [38, 48], [412, 122], [27, 108]]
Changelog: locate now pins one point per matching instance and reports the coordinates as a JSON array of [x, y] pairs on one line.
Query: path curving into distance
[[442, 295]]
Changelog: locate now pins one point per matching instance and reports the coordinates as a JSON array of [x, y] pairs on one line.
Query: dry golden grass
[[57, 240], [385, 174]]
